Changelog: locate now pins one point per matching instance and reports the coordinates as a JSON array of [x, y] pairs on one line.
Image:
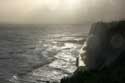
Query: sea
[[39, 53]]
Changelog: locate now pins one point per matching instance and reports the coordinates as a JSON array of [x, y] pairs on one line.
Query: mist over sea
[[44, 52]]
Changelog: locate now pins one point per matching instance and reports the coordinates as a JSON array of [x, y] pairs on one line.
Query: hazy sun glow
[[57, 4], [60, 11], [52, 4]]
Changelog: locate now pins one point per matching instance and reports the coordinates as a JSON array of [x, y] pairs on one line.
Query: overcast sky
[[60, 11]]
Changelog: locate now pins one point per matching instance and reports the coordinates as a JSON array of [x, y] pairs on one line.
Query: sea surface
[[38, 53]]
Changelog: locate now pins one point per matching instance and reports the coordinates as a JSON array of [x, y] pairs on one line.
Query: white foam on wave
[[65, 55], [45, 73], [62, 65], [68, 45]]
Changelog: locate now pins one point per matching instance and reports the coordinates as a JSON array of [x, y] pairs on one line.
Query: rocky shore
[[114, 73]]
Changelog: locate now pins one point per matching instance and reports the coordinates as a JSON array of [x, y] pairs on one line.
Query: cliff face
[[115, 71]]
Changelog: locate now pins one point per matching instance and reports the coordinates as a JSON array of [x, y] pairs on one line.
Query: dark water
[[39, 53]]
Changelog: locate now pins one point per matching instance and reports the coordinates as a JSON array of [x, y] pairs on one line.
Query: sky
[[60, 11]]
